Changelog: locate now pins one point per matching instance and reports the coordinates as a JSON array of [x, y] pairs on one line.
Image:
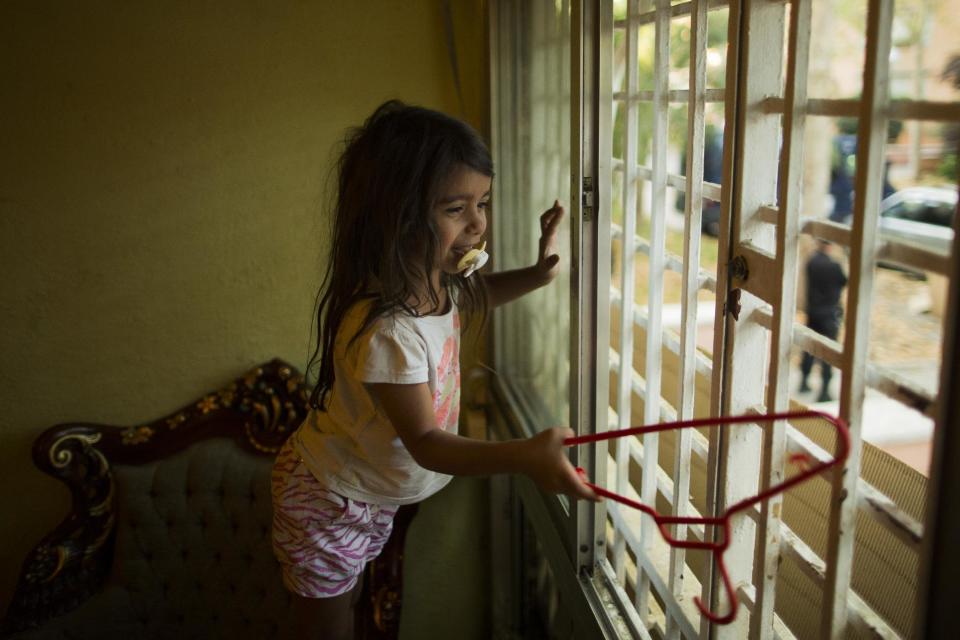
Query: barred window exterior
[[706, 152]]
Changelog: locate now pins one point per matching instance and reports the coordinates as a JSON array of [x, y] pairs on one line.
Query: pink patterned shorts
[[322, 539]]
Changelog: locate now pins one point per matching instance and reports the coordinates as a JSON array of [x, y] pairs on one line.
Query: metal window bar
[[652, 374], [756, 40], [680, 577], [706, 280], [674, 96], [711, 190], [592, 110], [671, 340], [680, 610], [766, 563], [646, 388], [871, 135], [627, 280], [922, 110], [676, 11]]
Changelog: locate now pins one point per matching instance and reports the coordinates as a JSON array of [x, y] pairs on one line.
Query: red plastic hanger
[[717, 548]]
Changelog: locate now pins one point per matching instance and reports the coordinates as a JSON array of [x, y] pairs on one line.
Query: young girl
[[413, 190]]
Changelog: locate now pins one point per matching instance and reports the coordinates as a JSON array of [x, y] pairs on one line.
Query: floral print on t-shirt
[[446, 398]]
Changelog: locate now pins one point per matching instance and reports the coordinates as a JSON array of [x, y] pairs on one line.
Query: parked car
[[921, 216]]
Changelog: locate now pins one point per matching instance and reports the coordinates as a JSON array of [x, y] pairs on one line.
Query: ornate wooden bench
[[169, 531]]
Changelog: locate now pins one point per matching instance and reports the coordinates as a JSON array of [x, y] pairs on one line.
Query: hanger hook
[[731, 595]]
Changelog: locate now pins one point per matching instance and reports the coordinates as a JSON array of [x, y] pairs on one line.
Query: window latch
[[587, 199], [733, 303], [737, 270]]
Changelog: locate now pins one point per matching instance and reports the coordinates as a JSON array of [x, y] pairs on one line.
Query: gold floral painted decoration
[[207, 404], [251, 378], [136, 435], [227, 395]]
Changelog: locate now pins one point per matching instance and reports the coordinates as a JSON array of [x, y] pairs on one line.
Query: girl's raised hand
[[548, 262], [547, 464]]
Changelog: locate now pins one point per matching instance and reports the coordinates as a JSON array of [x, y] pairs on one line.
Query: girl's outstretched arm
[[505, 286], [410, 408]]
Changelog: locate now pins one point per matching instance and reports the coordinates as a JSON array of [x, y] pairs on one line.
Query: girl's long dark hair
[[384, 241]]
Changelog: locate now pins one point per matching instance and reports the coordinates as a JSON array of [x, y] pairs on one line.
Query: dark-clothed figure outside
[[825, 283]]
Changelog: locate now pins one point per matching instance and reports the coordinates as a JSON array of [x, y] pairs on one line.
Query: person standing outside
[[825, 283]]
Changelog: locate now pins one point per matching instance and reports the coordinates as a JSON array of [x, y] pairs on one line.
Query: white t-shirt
[[352, 447]]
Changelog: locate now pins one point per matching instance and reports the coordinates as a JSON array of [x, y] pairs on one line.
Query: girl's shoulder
[[390, 342], [358, 322], [359, 326]]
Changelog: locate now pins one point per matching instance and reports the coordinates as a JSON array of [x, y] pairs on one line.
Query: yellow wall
[[161, 183]]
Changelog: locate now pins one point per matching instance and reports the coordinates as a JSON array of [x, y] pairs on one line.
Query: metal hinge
[[738, 268]]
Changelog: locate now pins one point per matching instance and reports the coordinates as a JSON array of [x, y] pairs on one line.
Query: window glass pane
[[619, 51], [646, 41], [680, 52], [619, 9], [717, 21], [837, 37], [924, 50], [533, 169]]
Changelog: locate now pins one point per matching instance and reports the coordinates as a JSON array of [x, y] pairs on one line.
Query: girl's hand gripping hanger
[[718, 548]]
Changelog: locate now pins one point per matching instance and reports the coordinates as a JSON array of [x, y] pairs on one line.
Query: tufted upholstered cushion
[[193, 555], [193, 544]]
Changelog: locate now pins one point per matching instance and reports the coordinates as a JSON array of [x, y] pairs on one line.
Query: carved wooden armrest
[[70, 564], [377, 615]]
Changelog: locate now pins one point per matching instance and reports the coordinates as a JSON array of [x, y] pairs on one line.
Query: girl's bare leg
[[325, 618]]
